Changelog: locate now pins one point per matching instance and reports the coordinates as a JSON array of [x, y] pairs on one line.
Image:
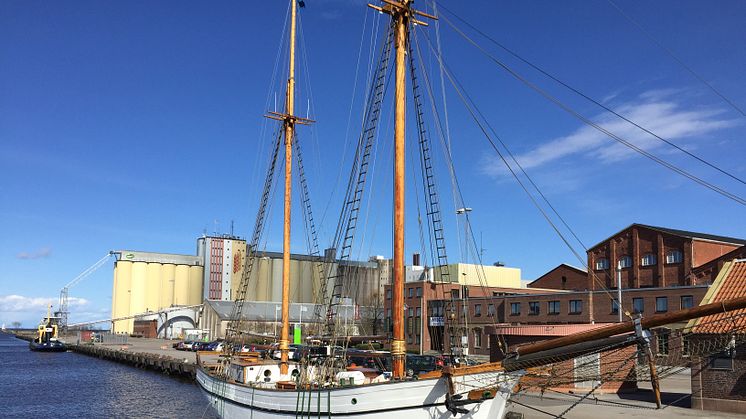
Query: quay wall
[[181, 368]]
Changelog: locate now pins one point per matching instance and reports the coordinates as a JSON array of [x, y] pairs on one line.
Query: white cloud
[[30, 310], [652, 111], [42, 253], [19, 303]]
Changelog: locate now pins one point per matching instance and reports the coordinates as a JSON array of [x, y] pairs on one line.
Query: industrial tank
[[195, 285], [168, 278], [181, 285], [123, 275], [153, 287], [138, 288]]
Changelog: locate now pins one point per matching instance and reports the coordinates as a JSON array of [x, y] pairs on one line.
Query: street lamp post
[[277, 308], [464, 301]]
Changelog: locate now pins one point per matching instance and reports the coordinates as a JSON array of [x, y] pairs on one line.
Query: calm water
[[68, 385]]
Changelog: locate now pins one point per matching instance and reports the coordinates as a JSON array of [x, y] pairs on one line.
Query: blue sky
[[138, 125]]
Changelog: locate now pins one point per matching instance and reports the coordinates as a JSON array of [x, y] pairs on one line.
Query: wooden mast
[[289, 134], [401, 12], [398, 345]]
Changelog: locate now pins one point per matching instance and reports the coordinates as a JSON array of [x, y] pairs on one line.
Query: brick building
[[719, 379], [654, 257], [563, 277], [430, 305]]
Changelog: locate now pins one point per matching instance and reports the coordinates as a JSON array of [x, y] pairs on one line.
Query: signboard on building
[[437, 321]]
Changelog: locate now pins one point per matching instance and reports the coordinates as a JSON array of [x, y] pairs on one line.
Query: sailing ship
[[47, 337], [319, 382], [241, 385]]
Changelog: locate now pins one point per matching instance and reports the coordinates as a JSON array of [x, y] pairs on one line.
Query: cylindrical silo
[[123, 275], [114, 298], [257, 289], [181, 285], [153, 287], [138, 288], [195, 285], [168, 276]]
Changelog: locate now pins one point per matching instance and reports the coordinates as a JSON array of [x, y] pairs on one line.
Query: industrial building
[[149, 282]]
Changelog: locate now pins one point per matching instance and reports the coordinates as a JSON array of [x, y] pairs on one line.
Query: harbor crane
[[63, 311]]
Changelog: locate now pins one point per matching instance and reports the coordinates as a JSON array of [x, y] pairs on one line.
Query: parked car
[[417, 364], [200, 346]]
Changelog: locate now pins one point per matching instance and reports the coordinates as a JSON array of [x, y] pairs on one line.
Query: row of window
[[672, 256], [661, 304], [412, 293], [553, 307], [576, 306]]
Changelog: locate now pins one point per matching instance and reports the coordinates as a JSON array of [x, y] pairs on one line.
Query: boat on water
[[321, 383], [238, 386], [47, 335]]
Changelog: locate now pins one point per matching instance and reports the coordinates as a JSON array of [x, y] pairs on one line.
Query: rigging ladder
[[355, 189]]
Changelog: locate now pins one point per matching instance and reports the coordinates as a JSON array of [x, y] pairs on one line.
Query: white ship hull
[[410, 399]]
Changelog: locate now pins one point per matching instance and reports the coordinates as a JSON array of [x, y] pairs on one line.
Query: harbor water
[[67, 385]]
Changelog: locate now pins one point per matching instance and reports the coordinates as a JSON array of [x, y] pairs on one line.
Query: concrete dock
[[158, 355], [153, 354]]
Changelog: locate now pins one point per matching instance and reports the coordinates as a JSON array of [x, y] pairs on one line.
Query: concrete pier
[[152, 354]]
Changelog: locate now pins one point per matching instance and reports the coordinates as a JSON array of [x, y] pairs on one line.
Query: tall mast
[[289, 133], [401, 12], [398, 346]]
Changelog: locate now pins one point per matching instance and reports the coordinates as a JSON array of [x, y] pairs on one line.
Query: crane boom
[[63, 310]]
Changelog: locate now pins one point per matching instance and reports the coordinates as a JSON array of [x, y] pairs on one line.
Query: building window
[[687, 301], [515, 309], [576, 306], [491, 310], [661, 304], [418, 325], [553, 307], [454, 294], [436, 308], [662, 339], [685, 345], [648, 260], [638, 305], [417, 339], [625, 262], [388, 294], [602, 263], [388, 313], [614, 306], [722, 360], [411, 292], [477, 338], [419, 292], [673, 256], [410, 326], [533, 308], [418, 311], [477, 310], [411, 312]]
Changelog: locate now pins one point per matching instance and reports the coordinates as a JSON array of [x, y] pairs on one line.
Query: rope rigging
[[677, 59], [483, 126], [588, 98], [603, 130], [351, 205]]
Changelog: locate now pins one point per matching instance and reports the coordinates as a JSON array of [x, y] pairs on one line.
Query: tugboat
[[47, 339]]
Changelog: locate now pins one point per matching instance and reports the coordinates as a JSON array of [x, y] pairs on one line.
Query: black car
[[417, 364]]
